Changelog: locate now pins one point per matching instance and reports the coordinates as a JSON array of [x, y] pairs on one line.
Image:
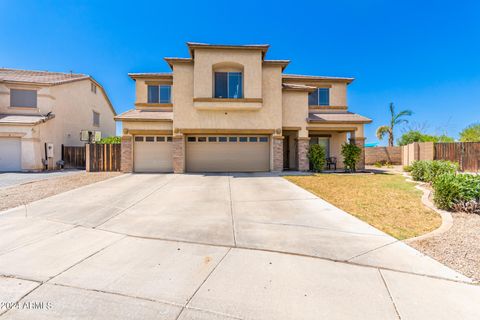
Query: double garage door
[[227, 153], [204, 153], [10, 154]]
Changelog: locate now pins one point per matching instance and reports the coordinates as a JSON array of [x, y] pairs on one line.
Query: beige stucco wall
[[338, 90], [72, 104], [145, 125], [295, 110], [141, 88], [207, 59], [45, 99], [186, 116]]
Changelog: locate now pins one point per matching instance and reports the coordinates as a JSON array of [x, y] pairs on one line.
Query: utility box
[[50, 150]]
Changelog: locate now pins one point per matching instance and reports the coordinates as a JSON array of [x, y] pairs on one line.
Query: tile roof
[[19, 119], [308, 77], [297, 87], [145, 115], [40, 77], [337, 117]]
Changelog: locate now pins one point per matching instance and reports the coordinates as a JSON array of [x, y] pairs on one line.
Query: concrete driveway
[[9, 179], [246, 246]]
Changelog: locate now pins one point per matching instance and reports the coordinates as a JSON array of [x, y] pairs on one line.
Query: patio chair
[[332, 161]]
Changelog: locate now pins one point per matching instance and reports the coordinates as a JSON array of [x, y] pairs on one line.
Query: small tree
[[351, 155], [471, 133], [316, 155], [395, 119]]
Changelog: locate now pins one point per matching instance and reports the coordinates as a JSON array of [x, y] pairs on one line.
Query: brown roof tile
[[145, 115], [19, 119], [337, 117], [40, 77]]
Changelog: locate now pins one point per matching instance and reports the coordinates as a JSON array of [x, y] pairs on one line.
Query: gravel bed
[[12, 197], [459, 247]]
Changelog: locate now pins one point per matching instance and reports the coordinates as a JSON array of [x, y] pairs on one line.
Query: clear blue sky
[[422, 55]]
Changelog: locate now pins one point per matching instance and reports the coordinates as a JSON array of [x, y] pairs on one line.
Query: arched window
[[228, 80]]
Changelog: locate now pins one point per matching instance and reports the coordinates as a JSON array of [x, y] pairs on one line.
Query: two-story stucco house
[[40, 111], [227, 108]]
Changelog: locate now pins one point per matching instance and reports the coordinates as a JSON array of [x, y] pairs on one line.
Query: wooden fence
[[466, 154], [73, 157], [103, 157]]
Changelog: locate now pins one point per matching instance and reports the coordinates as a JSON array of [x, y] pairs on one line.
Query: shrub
[[419, 170], [428, 171], [447, 191], [317, 157], [351, 155], [407, 168], [111, 140], [460, 192]]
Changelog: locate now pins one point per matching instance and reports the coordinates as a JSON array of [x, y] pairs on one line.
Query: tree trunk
[[390, 139]]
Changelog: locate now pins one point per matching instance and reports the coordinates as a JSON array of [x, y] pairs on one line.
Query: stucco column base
[[303, 144], [360, 142], [179, 153], [126, 162], [277, 153]]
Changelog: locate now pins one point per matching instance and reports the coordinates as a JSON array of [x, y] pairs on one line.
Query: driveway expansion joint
[[202, 283], [389, 294]]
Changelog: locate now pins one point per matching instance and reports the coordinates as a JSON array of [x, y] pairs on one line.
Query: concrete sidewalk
[[250, 246]]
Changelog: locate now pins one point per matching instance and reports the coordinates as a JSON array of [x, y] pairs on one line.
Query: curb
[[447, 219]]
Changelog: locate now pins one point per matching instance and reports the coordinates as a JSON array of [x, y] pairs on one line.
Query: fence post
[[87, 157]]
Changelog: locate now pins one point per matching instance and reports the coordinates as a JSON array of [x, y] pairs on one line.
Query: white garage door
[[10, 154], [230, 153], [152, 154]]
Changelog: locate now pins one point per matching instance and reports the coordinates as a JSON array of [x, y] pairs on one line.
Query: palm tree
[[396, 118]]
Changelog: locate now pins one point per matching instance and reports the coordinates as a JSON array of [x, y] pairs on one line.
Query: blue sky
[[422, 55]]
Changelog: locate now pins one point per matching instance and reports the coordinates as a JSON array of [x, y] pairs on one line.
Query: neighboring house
[[40, 111], [228, 109]]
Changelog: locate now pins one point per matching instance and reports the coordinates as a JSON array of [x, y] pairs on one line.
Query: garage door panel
[[232, 155], [10, 154], [154, 155]]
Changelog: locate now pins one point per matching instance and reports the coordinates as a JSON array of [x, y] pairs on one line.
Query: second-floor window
[[93, 88], [319, 97], [160, 94], [228, 85], [96, 119], [23, 98]]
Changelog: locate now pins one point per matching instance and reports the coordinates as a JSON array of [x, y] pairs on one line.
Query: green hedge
[[428, 171], [460, 192]]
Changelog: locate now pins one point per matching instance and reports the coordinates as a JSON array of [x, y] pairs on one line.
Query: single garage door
[[152, 154], [10, 154], [227, 153]]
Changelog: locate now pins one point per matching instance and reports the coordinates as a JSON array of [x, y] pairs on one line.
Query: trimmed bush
[[111, 140], [351, 155], [459, 192], [317, 157], [428, 171], [407, 168]]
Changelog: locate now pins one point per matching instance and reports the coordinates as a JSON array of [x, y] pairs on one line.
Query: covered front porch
[[296, 144]]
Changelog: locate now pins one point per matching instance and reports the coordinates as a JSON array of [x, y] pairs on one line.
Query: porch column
[[126, 161], [178, 153], [277, 142], [359, 142], [302, 153]]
